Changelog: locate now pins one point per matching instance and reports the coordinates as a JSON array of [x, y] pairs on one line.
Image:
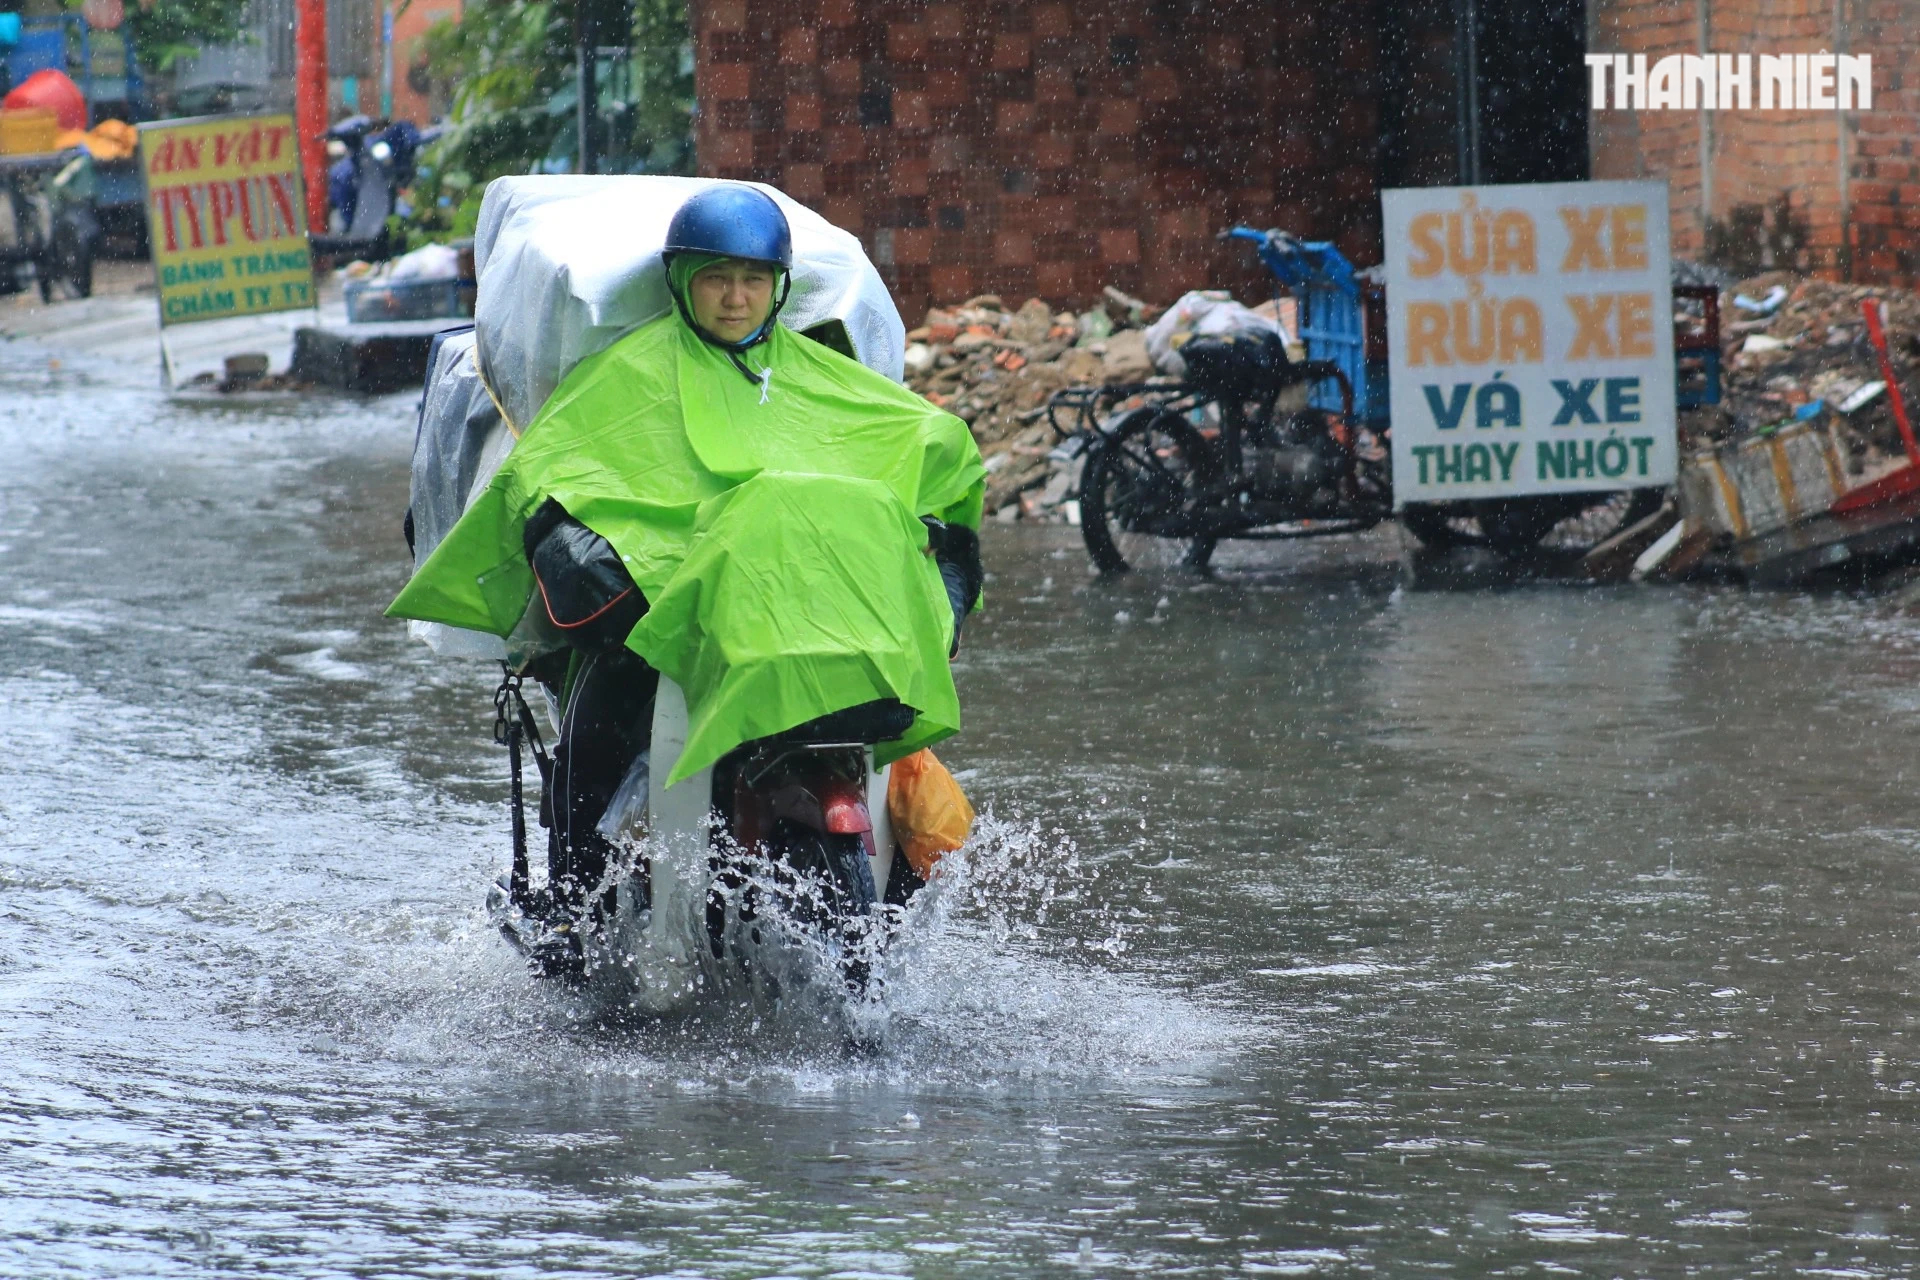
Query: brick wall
[[1883, 160], [1048, 148], [1852, 179]]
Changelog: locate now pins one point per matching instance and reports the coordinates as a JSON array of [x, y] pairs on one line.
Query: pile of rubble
[[1797, 350], [1805, 426], [1793, 351], [996, 368]]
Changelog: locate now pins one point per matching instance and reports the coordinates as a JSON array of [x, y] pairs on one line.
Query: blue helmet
[[734, 221]]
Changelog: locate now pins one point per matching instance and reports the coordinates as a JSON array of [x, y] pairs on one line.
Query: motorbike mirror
[[351, 129]]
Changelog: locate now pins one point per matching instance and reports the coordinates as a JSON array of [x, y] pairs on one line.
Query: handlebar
[[1299, 263]]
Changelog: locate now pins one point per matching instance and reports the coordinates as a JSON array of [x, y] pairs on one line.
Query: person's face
[[731, 299]]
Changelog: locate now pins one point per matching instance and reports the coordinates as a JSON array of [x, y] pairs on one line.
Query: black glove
[[585, 589], [956, 549]]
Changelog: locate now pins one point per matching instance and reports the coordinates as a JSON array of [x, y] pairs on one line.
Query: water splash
[[1003, 970]]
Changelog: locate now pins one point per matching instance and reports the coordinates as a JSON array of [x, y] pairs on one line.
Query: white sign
[[1530, 339]]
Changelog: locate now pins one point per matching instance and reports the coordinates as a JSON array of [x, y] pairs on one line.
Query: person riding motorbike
[[619, 496]]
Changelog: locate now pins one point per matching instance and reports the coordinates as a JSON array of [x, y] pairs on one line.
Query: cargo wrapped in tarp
[[567, 265], [458, 445]]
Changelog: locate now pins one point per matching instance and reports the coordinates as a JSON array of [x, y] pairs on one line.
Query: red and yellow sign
[[226, 217]]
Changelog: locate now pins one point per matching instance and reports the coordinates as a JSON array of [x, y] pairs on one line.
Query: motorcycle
[[784, 840], [376, 159], [48, 231], [772, 860]]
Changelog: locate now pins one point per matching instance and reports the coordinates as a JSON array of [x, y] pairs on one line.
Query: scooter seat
[[881, 720], [1238, 366]]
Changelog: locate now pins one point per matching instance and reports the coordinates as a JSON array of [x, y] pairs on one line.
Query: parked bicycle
[[1228, 453], [1223, 454]]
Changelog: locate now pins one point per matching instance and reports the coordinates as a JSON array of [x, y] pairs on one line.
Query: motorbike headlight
[[382, 151]]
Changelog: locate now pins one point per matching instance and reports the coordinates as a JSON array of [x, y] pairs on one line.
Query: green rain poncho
[[773, 527]]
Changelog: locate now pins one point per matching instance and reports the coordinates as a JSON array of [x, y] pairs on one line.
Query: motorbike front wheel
[[1139, 491]]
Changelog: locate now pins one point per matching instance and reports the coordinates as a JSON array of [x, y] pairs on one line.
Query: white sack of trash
[[569, 264], [1202, 313]]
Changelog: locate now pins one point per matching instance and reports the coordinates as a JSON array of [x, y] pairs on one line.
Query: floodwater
[[1319, 927]]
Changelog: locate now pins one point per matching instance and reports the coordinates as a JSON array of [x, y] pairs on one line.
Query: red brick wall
[[1048, 148], [1883, 163], [1853, 177], [1650, 144]]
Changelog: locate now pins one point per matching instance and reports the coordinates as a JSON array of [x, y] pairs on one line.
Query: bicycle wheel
[[1140, 491]]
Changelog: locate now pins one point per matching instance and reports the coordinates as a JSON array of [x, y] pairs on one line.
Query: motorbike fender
[[880, 840], [657, 940]]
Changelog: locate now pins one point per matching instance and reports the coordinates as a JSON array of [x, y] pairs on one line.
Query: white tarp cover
[[569, 264], [459, 443]]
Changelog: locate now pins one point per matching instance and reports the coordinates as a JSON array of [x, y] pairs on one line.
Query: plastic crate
[[1696, 348], [1332, 329], [372, 301]]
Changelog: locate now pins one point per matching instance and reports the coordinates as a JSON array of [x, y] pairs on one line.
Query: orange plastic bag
[[929, 812], [108, 140]]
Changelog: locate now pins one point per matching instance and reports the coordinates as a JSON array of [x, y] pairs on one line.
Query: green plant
[[512, 64], [164, 31]]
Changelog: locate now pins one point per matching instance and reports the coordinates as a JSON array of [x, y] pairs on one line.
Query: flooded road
[[1318, 927]]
